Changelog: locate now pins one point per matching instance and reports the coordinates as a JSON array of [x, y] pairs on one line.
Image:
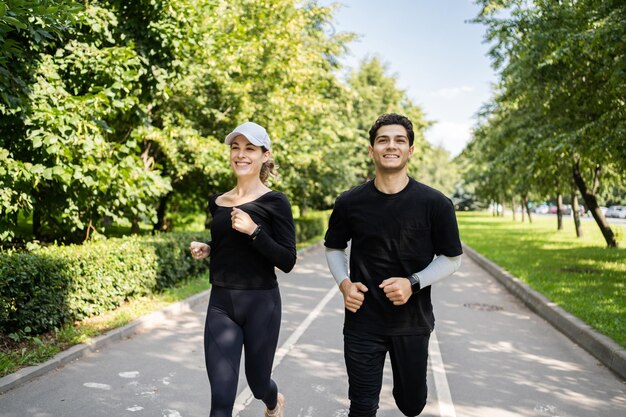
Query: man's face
[[391, 150]]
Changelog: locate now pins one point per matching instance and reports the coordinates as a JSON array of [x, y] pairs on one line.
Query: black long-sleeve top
[[237, 261]]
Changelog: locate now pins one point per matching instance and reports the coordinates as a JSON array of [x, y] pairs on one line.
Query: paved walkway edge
[[143, 323], [612, 355]]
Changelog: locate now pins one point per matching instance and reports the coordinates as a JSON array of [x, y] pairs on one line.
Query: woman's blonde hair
[[268, 169]]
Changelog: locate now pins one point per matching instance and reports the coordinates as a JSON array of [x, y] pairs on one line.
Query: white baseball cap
[[256, 134]]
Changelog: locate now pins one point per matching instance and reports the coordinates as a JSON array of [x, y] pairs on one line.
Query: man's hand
[[199, 250], [353, 294], [397, 289]]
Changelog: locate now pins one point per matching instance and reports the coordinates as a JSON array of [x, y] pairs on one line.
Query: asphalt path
[[490, 357]]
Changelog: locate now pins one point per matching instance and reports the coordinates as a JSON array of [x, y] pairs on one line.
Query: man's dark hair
[[392, 119]]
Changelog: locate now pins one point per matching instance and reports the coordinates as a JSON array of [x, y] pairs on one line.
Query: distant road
[[611, 220]]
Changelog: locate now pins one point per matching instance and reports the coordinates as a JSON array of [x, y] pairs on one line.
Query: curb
[[146, 322], [612, 355]]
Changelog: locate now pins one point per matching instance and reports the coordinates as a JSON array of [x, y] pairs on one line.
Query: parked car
[[542, 209], [616, 211]]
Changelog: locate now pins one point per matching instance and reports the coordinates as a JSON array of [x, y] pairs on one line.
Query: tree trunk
[[521, 205], [513, 205], [527, 208], [592, 202], [575, 210], [134, 226], [37, 222], [161, 224], [559, 211]]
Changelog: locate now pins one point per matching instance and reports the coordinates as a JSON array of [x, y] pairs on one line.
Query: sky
[[438, 57]]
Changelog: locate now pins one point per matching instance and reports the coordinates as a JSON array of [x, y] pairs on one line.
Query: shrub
[[311, 224], [48, 287]]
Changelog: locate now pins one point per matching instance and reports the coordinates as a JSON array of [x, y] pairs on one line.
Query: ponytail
[[268, 169]]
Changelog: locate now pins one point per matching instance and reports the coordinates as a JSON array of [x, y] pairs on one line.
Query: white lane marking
[[97, 385], [135, 408], [171, 413], [245, 397], [130, 374], [442, 390]]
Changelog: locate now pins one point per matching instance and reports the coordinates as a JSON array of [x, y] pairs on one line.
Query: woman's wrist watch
[[415, 283], [256, 232]]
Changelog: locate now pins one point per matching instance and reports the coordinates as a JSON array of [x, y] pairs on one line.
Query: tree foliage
[[115, 111], [559, 113]]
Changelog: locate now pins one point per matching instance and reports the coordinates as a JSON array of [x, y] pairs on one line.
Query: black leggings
[[236, 319]]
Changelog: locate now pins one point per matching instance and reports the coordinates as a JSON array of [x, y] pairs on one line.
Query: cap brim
[[232, 135]]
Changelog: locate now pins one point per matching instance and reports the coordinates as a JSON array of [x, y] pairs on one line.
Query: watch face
[[415, 284]]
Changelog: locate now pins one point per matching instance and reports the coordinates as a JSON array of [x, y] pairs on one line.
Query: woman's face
[[246, 159]]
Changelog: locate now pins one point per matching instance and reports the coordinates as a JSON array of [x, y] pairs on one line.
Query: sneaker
[[279, 411]]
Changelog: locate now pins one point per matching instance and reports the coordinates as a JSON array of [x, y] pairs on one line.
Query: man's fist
[[397, 289], [353, 294]]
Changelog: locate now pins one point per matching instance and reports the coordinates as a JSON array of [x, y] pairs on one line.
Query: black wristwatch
[[256, 232], [415, 283]]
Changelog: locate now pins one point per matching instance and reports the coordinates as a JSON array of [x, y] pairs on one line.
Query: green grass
[[581, 275], [34, 350]]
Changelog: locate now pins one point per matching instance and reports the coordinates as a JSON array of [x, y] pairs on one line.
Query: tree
[[27, 29], [375, 93], [562, 63]]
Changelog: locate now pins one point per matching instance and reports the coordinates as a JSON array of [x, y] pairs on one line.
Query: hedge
[[311, 224], [48, 287]]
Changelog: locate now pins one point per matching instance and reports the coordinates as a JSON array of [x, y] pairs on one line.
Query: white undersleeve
[[441, 267], [337, 260]]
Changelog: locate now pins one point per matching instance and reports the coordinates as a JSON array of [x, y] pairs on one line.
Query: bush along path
[[57, 296]]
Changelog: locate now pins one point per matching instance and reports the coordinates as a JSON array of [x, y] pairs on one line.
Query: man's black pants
[[365, 354]]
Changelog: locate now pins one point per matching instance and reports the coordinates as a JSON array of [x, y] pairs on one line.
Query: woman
[[252, 232]]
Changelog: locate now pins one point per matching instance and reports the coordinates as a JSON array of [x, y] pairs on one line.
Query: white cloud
[[452, 92], [452, 136]]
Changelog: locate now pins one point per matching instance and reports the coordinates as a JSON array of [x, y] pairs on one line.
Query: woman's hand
[[242, 221], [199, 250]]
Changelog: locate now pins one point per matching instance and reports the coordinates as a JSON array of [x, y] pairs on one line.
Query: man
[[404, 238]]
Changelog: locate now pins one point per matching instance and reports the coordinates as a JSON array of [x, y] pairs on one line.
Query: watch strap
[[256, 232], [415, 283]]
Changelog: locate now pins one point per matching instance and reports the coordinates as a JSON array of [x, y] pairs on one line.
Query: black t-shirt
[[237, 261], [393, 235]]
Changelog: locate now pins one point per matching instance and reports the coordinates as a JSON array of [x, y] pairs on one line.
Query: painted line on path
[[442, 389], [245, 397]]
